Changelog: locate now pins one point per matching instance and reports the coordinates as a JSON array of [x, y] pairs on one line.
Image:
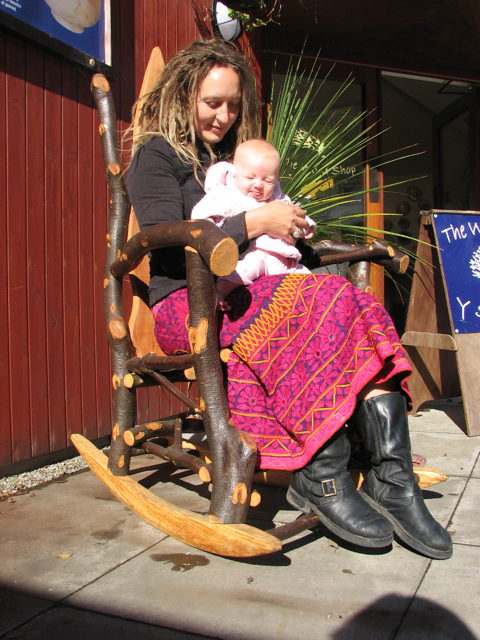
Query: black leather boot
[[325, 487], [390, 486]]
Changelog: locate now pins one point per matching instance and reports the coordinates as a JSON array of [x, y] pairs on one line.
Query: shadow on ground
[[422, 619]]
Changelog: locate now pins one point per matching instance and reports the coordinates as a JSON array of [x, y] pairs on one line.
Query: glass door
[[344, 179], [438, 118], [345, 182], [454, 155]]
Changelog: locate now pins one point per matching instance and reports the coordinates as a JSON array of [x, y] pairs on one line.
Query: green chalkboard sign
[[458, 241]]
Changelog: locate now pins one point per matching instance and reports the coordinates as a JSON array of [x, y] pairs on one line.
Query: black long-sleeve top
[[163, 188]]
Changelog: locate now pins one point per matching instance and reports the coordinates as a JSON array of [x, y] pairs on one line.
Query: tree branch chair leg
[[233, 452]]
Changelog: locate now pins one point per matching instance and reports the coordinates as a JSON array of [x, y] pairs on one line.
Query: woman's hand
[[277, 219]]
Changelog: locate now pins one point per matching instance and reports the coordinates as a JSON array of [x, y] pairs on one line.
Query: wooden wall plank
[[86, 280], [140, 47], [126, 51], [69, 209], [5, 381], [53, 252], [17, 248], [182, 16], [36, 258], [171, 43], [162, 27]]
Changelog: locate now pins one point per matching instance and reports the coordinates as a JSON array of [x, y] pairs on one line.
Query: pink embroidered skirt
[[303, 348]]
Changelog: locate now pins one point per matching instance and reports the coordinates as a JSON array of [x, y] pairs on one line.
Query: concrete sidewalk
[[77, 564]]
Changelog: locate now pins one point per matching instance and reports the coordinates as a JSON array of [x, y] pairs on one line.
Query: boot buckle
[[329, 489]]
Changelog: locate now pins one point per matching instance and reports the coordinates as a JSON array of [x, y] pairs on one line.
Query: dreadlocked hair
[[169, 109]]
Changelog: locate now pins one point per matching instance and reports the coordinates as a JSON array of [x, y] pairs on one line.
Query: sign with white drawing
[[442, 332], [458, 241]]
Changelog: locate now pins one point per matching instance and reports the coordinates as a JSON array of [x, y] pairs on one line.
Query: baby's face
[[256, 175]]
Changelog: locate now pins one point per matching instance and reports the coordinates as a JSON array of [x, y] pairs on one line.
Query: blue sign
[[81, 24], [458, 240]]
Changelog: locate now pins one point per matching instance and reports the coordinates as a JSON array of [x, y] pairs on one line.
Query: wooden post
[[124, 401], [233, 452], [374, 219]]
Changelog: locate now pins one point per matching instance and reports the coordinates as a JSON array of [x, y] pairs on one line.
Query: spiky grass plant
[[313, 147]]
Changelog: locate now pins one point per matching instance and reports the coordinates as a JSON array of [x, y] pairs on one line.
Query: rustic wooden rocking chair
[[228, 462]]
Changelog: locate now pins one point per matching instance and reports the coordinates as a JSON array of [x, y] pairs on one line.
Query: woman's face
[[218, 104]]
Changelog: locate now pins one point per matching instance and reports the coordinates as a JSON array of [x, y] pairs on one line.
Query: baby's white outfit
[[266, 256]]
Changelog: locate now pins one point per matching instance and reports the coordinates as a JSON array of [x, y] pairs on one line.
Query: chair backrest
[[141, 322]]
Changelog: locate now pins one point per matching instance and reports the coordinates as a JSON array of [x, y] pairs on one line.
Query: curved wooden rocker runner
[[228, 461], [201, 531]]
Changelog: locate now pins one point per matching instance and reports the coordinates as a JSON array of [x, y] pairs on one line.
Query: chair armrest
[[218, 250], [328, 252]]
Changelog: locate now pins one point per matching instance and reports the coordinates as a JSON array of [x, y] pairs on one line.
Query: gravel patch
[[24, 482]]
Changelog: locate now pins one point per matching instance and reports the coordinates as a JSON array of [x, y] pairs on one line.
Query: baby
[[250, 182]]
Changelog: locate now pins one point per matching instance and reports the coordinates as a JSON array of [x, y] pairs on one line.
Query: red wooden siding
[[54, 361], [47, 328]]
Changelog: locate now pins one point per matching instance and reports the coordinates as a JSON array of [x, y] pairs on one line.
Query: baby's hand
[[308, 231]]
